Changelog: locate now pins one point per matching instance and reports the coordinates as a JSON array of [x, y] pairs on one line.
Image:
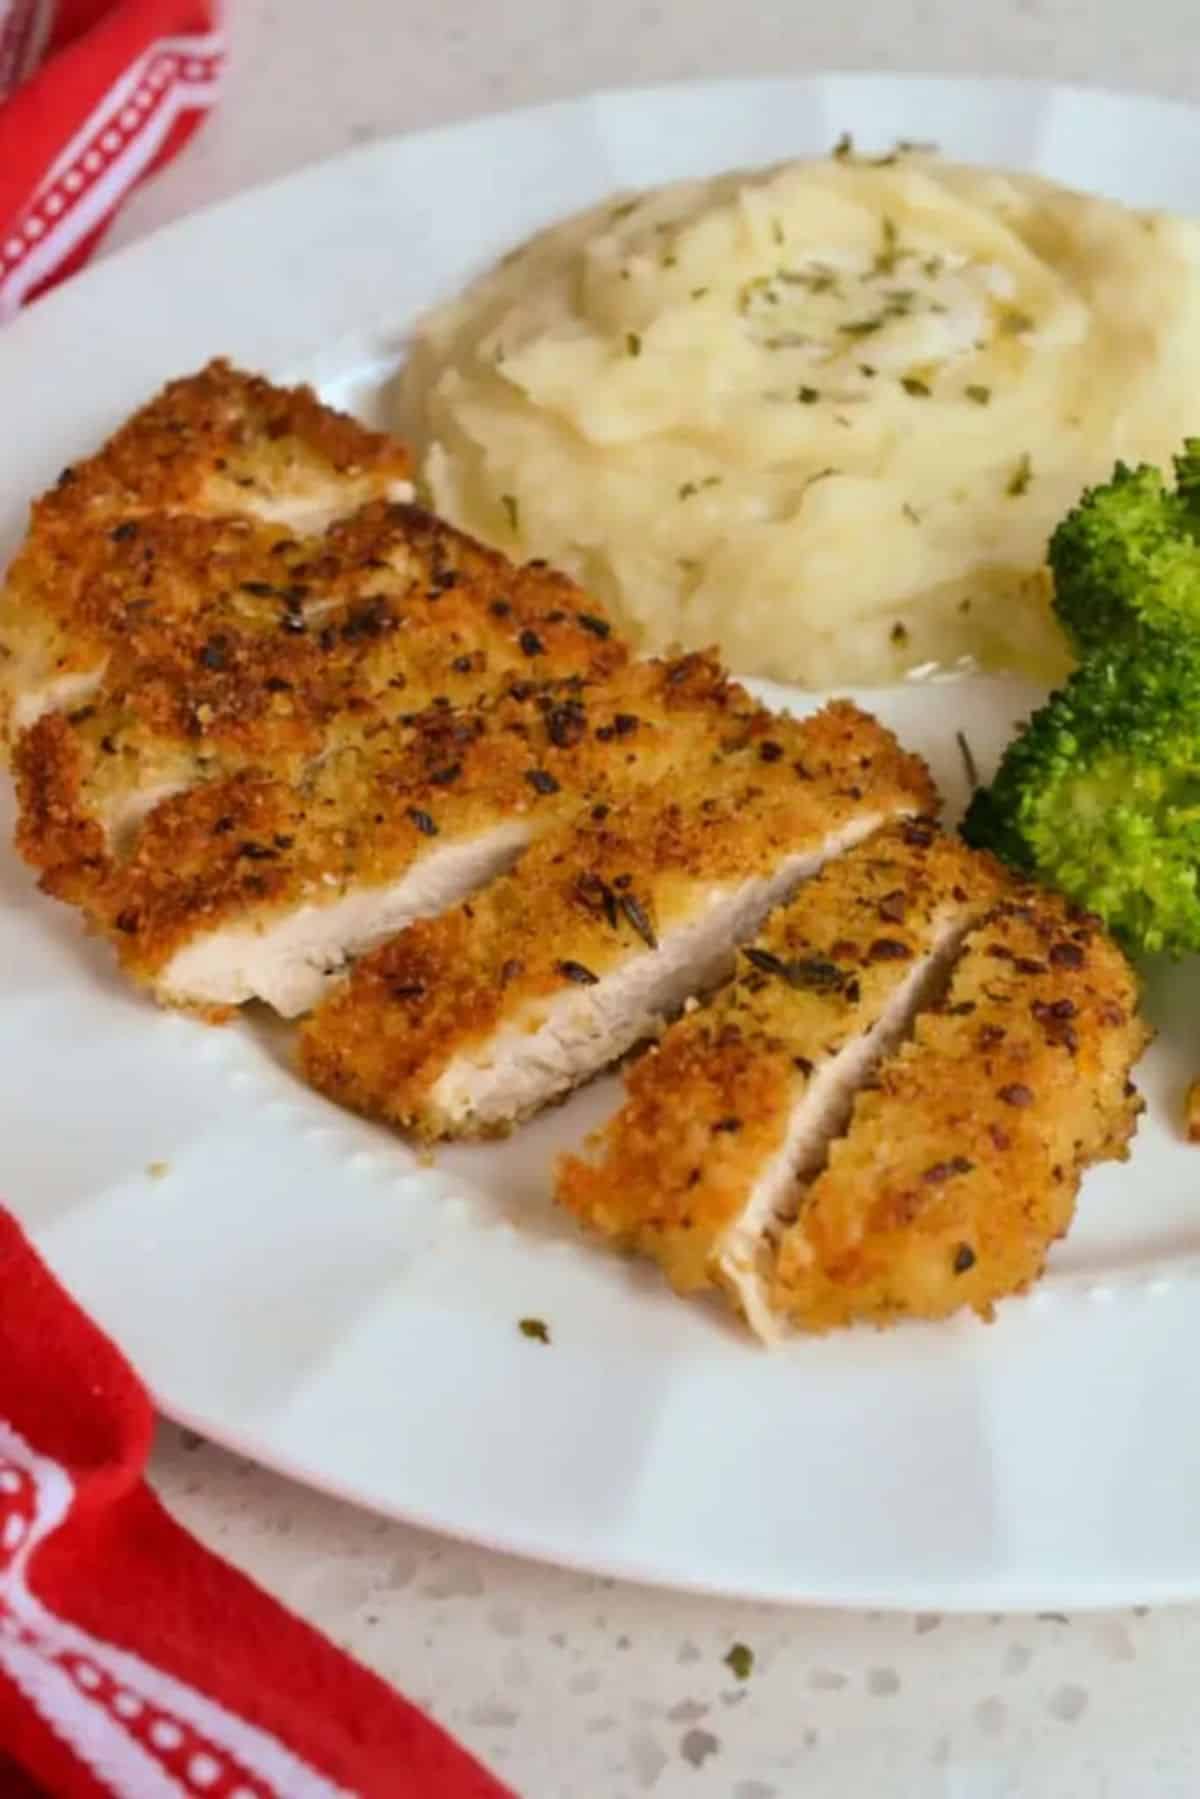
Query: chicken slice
[[231, 647], [742, 1097], [216, 444], [257, 887], [225, 441], [467, 1023], [963, 1159]]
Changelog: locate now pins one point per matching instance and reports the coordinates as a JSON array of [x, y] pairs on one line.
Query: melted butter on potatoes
[[824, 415]]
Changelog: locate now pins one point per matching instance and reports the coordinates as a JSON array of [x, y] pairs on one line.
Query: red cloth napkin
[[132, 1661], [94, 96]]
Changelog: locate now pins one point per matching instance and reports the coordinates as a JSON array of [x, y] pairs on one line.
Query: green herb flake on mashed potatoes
[[862, 394]]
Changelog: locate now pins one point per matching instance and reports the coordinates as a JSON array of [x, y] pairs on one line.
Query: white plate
[[298, 1287]]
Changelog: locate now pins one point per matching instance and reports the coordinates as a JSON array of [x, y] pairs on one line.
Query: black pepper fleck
[[598, 896], [635, 913], [541, 780], [888, 949], [945, 1171], [816, 973], [566, 724], [575, 971], [765, 962], [215, 653]]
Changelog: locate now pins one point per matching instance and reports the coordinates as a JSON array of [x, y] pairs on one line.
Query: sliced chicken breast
[[468, 1023], [253, 887], [232, 648], [218, 444], [742, 1097], [963, 1159], [225, 441]]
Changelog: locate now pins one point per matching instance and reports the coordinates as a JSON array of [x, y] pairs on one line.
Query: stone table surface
[[573, 1687]]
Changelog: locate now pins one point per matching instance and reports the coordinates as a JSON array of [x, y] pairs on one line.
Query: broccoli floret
[[1100, 796], [1126, 561], [1187, 477]]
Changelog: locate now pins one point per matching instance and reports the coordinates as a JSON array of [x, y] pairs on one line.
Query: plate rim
[[68, 292]]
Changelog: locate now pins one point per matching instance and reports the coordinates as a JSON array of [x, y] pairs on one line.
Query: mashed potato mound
[[824, 415]]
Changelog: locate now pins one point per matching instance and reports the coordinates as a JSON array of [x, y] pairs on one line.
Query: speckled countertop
[[571, 1687], [578, 1688]]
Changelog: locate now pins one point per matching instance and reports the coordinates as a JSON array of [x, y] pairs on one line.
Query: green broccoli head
[[1187, 477], [1099, 796], [1126, 560]]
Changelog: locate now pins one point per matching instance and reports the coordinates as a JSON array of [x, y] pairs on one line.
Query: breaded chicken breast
[[741, 1098], [257, 887], [229, 596], [230, 647], [219, 444], [222, 441], [962, 1162], [467, 1023], [832, 1139]]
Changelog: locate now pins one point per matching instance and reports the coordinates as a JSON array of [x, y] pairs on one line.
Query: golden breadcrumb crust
[[215, 671], [588, 897], [219, 443], [709, 1106], [208, 625], [222, 440], [251, 847], [963, 1158]]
